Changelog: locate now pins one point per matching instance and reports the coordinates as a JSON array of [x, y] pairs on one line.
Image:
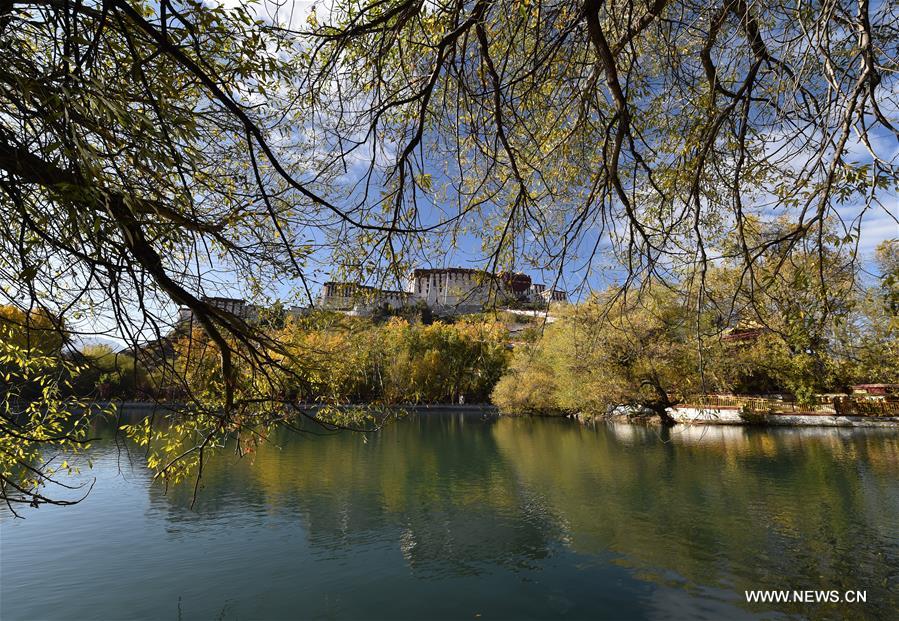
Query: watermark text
[[809, 596]]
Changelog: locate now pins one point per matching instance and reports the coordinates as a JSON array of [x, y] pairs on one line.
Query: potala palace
[[446, 291], [450, 290]]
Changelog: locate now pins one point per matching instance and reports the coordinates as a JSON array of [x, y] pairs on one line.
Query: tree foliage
[[611, 351], [648, 128], [41, 424], [875, 338], [397, 362], [654, 351]]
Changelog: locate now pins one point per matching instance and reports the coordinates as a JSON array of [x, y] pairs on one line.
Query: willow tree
[[645, 128], [149, 153], [152, 150]]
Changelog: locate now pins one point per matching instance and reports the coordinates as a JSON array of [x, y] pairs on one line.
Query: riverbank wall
[[732, 416], [685, 415]]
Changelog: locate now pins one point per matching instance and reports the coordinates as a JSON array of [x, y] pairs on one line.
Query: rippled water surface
[[460, 516]]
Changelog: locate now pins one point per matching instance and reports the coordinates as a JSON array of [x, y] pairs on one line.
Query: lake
[[468, 516]]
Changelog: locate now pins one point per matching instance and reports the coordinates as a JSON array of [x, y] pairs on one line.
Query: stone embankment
[[735, 416], [722, 416]]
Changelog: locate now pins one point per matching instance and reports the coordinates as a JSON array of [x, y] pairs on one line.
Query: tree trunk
[[661, 409], [662, 403]]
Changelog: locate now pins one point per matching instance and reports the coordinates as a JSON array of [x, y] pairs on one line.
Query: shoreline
[[718, 416], [733, 418], [153, 406], [683, 416]]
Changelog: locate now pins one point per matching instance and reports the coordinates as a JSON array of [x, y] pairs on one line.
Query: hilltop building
[[451, 290], [463, 289], [236, 306], [351, 296], [554, 295], [744, 332], [454, 290]]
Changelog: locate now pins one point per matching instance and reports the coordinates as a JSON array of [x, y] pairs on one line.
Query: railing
[[715, 401], [843, 406], [868, 407], [754, 404]]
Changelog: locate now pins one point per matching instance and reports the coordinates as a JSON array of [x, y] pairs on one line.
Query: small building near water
[[876, 392]]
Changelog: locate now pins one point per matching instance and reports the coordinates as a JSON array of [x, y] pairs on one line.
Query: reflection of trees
[[719, 508], [734, 508], [434, 484]]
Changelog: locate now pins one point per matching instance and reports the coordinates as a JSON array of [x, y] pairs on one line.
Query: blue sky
[[879, 223]]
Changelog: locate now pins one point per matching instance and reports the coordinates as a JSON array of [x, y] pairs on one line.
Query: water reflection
[[527, 518], [733, 508], [435, 485]]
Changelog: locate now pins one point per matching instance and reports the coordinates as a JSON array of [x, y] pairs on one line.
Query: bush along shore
[[327, 358], [667, 350]]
